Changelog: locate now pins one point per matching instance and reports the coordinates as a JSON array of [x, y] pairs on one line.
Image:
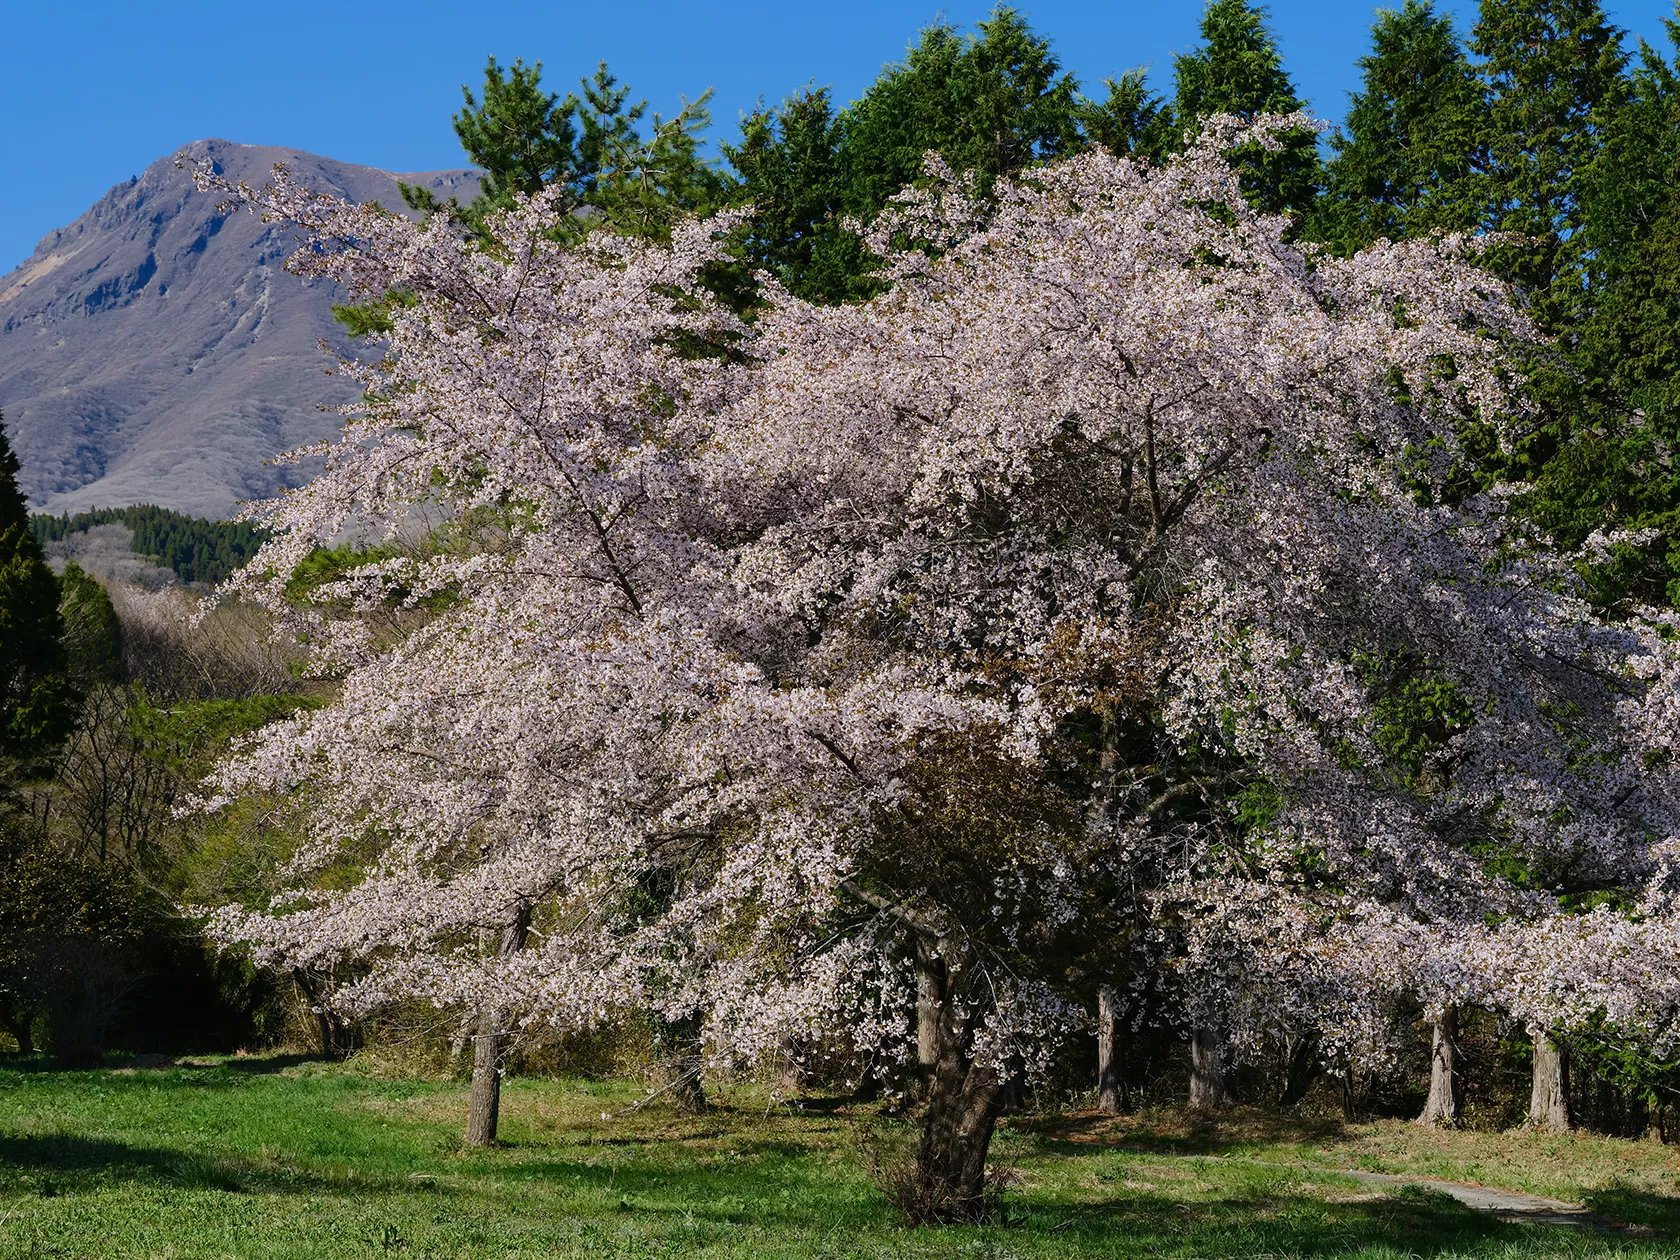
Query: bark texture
[[1111, 1092], [1440, 1110], [485, 1103], [489, 1046], [1300, 1070], [1210, 1087], [1548, 1102], [963, 1104], [930, 999], [678, 1043]]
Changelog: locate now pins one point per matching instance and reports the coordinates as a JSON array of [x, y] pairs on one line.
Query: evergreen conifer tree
[[991, 103], [1554, 72], [1413, 137], [35, 693], [1618, 469], [1131, 120], [1239, 70]]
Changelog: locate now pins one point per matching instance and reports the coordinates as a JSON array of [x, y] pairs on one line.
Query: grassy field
[[273, 1158]]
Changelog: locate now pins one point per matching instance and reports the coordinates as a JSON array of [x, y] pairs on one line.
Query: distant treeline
[[198, 550]]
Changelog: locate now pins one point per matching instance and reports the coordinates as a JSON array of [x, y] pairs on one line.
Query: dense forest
[[1536, 144], [196, 549]]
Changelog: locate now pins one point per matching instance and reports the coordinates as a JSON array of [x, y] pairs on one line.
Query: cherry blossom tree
[[1029, 619]]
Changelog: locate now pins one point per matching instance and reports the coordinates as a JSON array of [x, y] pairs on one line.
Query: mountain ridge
[[155, 351]]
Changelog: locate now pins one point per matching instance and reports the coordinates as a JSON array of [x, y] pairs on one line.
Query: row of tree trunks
[[1210, 1087], [490, 1045]]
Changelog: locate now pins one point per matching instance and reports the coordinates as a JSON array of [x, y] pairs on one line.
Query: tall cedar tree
[[991, 103], [36, 708], [1620, 471], [1554, 71], [1413, 137], [1239, 70]]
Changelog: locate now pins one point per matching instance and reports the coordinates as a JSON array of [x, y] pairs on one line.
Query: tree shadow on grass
[[50, 1164], [1180, 1131], [1247, 1225], [1657, 1213]]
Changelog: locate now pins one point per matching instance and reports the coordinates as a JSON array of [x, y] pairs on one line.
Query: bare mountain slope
[[156, 351]]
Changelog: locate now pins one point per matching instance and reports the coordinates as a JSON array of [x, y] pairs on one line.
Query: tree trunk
[[489, 1045], [1301, 1069], [790, 1066], [963, 1104], [1348, 1087], [484, 1107], [323, 1022], [930, 1001], [1111, 1092], [21, 1025], [1210, 1089], [1548, 1102], [1441, 1108], [677, 1042]]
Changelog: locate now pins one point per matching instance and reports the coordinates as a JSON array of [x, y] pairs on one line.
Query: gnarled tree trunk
[[1441, 1108], [1111, 1090], [964, 1100], [484, 1105], [1210, 1088], [1548, 1101]]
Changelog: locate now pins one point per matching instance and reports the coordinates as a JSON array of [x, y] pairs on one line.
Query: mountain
[[156, 351]]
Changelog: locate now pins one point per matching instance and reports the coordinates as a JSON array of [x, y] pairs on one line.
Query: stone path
[[1507, 1205]]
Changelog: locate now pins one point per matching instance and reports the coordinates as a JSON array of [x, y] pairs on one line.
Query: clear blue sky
[[96, 90]]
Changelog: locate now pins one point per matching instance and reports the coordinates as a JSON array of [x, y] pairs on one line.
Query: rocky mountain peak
[[155, 350]]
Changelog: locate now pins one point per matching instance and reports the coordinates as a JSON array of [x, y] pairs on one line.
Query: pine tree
[[1239, 70], [35, 693], [1413, 136]]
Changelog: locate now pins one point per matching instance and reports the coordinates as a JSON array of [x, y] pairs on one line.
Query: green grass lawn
[[263, 1157]]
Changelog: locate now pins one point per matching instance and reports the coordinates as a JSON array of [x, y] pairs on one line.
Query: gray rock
[[156, 351]]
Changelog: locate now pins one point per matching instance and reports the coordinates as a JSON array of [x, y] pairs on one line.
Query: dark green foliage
[[1621, 471], [92, 635], [1131, 121], [521, 137], [1239, 70], [1418, 710], [789, 161], [991, 103], [198, 550], [67, 932], [1413, 138], [36, 698], [592, 145], [1554, 71]]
